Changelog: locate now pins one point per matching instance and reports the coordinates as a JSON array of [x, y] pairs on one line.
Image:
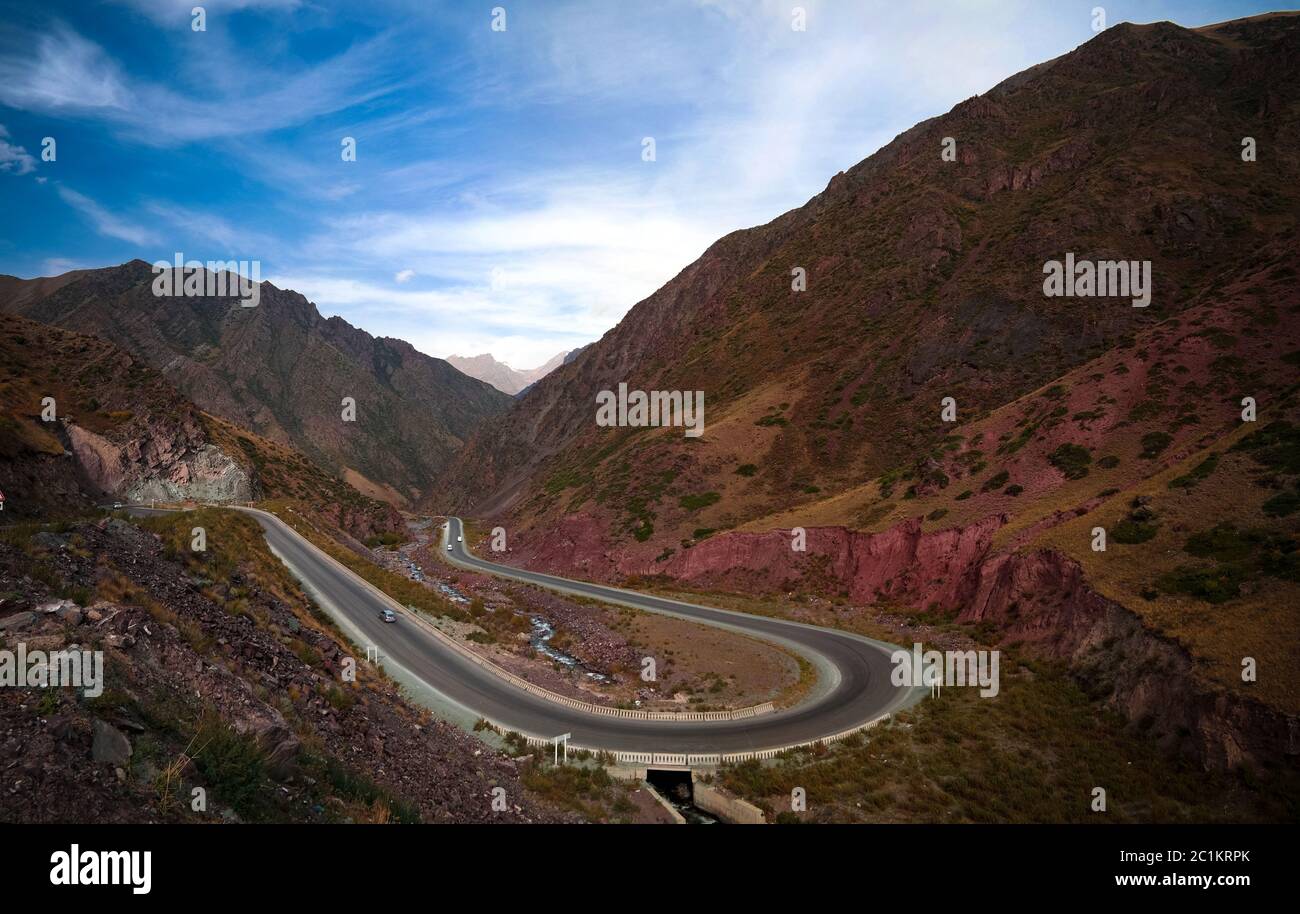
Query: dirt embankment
[[217, 674]]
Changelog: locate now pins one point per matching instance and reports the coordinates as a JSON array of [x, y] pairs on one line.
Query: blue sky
[[499, 200]]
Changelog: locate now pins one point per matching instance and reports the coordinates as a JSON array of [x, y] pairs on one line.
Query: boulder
[[109, 745], [17, 621]]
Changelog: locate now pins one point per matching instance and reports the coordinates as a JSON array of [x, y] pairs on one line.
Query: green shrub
[[1130, 532], [1072, 460], [1224, 543], [1213, 584], [233, 766], [1196, 474], [1276, 446], [696, 502], [996, 481], [1154, 444]]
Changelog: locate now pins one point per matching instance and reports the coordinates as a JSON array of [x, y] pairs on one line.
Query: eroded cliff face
[[902, 564], [164, 463], [1039, 599]]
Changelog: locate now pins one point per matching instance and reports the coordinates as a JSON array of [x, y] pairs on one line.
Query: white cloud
[[526, 264], [67, 72], [14, 159], [541, 277], [524, 252], [105, 222]]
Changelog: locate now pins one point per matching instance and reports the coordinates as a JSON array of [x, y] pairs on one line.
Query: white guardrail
[[631, 713], [693, 760]]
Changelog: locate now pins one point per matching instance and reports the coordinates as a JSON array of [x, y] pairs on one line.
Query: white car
[[388, 615], [449, 547], [458, 539]]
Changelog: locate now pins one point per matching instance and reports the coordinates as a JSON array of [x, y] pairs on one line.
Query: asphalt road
[[853, 672]]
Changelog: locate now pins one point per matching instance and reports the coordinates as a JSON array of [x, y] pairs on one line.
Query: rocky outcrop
[[162, 464], [1042, 599], [122, 431], [902, 563], [109, 745]]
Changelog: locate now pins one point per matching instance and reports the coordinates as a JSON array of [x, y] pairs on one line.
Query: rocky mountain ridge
[[280, 370], [508, 380]]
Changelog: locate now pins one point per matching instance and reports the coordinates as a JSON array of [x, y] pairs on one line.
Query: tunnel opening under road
[[677, 786]]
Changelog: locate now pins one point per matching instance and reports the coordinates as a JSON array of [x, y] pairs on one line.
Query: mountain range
[[281, 371], [883, 369], [500, 375], [924, 280], [885, 374]]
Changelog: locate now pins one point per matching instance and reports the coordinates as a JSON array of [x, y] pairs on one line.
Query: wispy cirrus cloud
[[61, 72], [560, 252], [105, 222]]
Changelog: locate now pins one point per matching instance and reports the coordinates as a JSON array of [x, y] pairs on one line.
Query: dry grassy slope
[[96, 387], [281, 370], [93, 383], [284, 474], [1184, 379], [925, 280], [103, 390]]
